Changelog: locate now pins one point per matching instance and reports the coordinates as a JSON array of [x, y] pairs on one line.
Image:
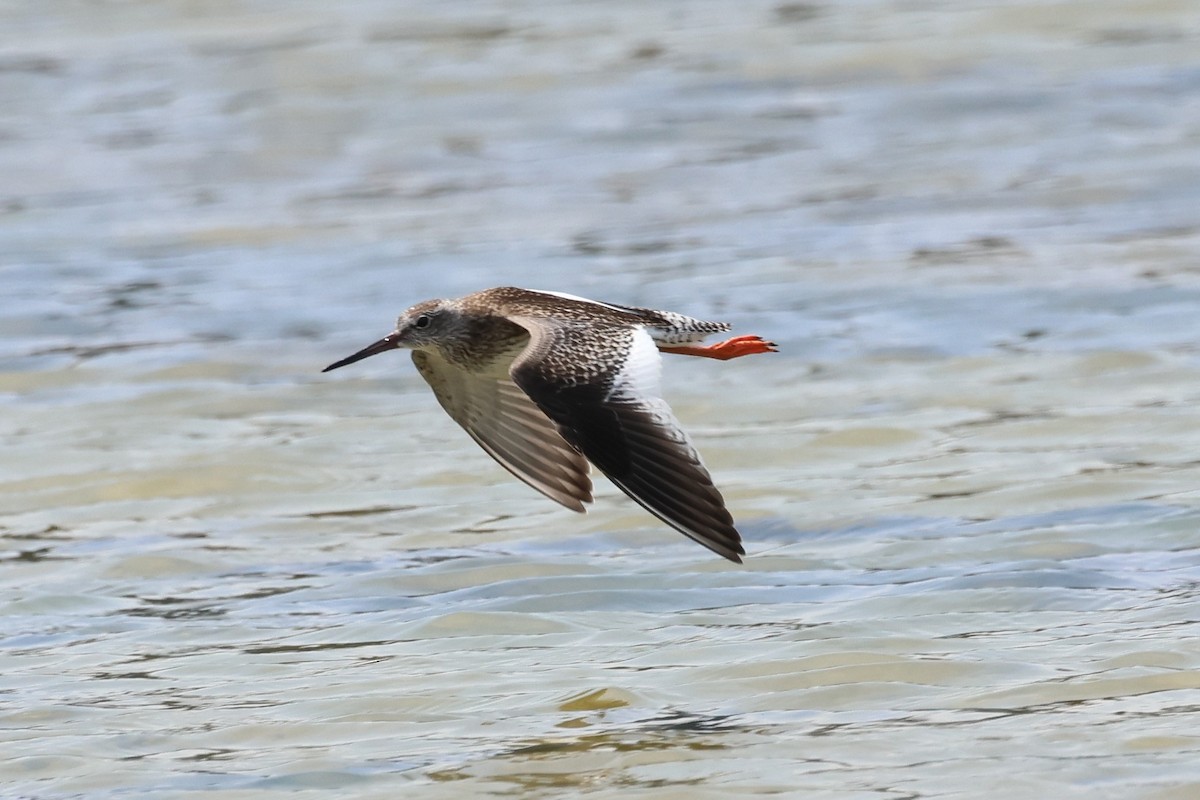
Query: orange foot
[[723, 351]]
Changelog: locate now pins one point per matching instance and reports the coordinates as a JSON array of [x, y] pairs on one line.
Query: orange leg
[[723, 351]]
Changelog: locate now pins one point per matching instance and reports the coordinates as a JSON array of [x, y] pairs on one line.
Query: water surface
[[968, 481]]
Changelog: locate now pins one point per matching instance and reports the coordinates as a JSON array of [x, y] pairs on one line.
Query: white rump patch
[[566, 296], [640, 376]]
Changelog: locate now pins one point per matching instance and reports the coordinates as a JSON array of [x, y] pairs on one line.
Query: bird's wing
[[601, 385], [510, 428]]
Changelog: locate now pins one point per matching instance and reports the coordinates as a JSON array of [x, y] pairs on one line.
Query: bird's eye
[[421, 321]]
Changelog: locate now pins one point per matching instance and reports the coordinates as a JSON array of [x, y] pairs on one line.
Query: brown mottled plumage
[[546, 382]]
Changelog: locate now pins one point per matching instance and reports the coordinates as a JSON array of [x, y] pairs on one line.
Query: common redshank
[[546, 382]]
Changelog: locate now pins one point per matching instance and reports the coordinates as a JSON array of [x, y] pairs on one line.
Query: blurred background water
[[968, 483]]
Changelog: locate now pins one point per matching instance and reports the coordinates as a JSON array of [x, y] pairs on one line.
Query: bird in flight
[[546, 382]]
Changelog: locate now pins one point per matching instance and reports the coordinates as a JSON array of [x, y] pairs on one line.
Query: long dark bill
[[383, 345]]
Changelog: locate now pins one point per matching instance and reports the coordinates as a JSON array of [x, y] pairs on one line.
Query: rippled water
[[968, 483]]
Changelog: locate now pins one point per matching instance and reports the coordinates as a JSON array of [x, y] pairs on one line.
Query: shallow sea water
[[968, 483]]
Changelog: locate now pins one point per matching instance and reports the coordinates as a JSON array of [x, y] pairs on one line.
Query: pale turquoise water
[[968, 483]]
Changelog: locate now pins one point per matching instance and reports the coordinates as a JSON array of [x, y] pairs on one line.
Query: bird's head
[[426, 326]]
